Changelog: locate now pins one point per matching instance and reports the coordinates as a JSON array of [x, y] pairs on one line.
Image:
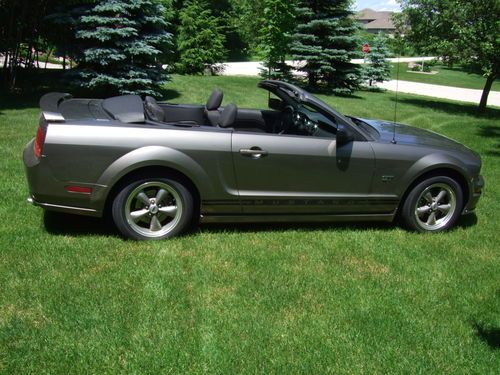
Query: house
[[374, 21]]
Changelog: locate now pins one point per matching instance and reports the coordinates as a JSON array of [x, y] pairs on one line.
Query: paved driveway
[[443, 92], [253, 68]]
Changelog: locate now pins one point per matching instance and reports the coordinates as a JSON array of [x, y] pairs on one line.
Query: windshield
[[315, 115], [311, 107], [366, 127]]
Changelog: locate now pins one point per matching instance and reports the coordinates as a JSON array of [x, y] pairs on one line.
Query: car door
[[290, 174]]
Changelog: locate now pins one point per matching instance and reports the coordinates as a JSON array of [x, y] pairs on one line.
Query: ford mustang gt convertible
[[158, 168]]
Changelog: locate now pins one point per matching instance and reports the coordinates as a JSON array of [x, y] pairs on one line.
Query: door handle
[[253, 152]]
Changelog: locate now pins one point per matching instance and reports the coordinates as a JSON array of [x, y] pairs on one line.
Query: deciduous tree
[[378, 68], [275, 33], [458, 30], [200, 40]]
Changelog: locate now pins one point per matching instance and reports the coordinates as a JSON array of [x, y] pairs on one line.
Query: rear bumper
[[48, 192], [65, 209]]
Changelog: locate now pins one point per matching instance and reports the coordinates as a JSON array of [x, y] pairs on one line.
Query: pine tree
[[120, 42], [200, 41], [379, 68], [274, 37], [326, 40]]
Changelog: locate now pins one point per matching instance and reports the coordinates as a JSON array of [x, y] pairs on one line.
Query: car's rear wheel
[[152, 208], [434, 205]]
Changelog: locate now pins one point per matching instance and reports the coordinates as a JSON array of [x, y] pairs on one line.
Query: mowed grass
[[445, 76], [360, 299]]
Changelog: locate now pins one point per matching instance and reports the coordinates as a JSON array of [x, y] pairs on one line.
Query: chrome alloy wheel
[[435, 207], [153, 209]]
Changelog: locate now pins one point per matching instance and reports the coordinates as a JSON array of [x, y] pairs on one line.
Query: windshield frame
[[295, 96]]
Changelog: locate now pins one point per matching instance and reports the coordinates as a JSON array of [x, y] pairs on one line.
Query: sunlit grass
[[456, 76], [76, 298]]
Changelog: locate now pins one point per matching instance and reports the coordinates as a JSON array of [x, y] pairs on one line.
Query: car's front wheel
[[152, 208], [433, 205]]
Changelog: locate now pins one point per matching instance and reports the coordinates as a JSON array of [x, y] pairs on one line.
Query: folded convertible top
[[125, 108]]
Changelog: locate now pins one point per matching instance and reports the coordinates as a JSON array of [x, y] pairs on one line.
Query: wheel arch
[[446, 171], [152, 171], [151, 159]]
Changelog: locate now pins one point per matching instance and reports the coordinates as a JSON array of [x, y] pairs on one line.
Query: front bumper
[[477, 190]]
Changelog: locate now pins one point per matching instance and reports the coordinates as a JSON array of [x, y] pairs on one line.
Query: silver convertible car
[[158, 168]]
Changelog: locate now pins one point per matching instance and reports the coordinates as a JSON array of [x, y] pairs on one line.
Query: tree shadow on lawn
[[491, 132], [32, 84], [18, 101], [67, 224], [168, 94], [488, 334], [452, 108]]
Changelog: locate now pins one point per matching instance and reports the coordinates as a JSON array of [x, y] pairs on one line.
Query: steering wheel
[[287, 119]]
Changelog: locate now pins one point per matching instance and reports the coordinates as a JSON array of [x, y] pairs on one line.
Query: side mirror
[[344, 135], [275, 104]]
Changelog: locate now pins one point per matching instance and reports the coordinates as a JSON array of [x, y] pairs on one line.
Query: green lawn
[[446, 76], [360, 299]]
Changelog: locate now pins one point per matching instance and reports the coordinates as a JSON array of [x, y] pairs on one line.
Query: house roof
[[373, 19]]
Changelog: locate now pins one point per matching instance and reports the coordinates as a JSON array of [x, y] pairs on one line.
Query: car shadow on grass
[[66, 224], [58, 223], [283, 227], [463, 222], [467, 221]]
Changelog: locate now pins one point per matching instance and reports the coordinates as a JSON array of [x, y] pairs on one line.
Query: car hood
[[410, 135]]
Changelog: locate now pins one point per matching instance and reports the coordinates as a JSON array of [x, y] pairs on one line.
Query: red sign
[[366, 48]]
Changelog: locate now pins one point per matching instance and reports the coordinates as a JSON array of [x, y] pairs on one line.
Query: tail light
[[40, 140]]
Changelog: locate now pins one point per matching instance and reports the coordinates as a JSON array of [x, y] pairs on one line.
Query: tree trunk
[[29, 57], [486, 91], [6, 60], [312, 79], [49, 52]]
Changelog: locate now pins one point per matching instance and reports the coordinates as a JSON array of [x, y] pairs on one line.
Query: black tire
[[153, 208], [433, 205]]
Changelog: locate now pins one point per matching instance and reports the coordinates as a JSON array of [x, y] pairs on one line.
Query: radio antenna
[[396, 101]]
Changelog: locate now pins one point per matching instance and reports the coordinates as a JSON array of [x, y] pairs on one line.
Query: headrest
[[215, 100], [228, 115], [153, 110]]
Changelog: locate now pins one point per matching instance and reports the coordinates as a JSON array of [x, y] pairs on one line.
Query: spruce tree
[[120, 42], [200, 41], [325, 39], [274, 37], [378, 68]]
